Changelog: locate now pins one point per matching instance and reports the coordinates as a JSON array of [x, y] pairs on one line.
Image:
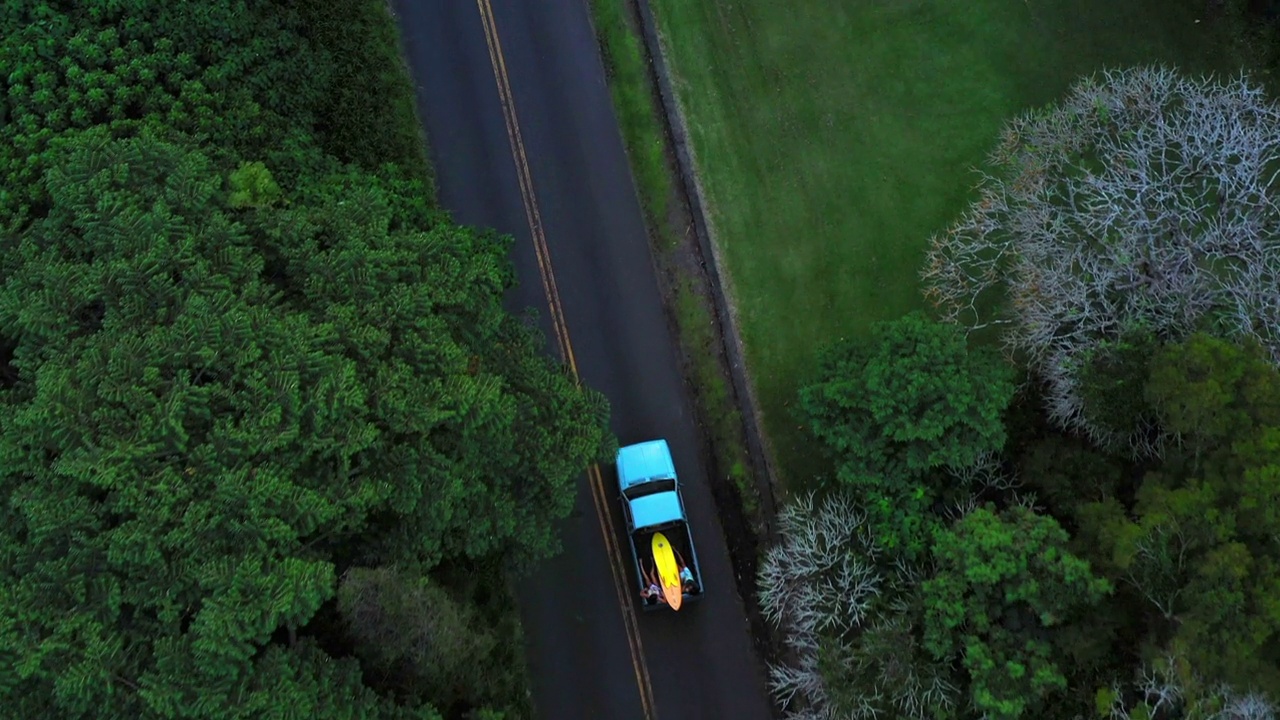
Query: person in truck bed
[[654, 591], [686, 575]]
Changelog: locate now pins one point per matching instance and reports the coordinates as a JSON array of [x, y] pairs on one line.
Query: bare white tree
[[820, 576], [889, 653], [1159, 566], [1251, 706], [983, 476], [803, 694], [1160, 694], [1146, 200], [817, 586]]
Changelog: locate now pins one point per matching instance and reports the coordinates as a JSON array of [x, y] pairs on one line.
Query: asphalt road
[[699, 663]]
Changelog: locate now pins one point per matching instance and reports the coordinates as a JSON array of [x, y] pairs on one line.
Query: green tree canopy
[[425, 639], [910, 399], [904, 414], [207, 415], [1209, 391], [1003, 583], [1111, 376], [288, 83], [1200, 543]]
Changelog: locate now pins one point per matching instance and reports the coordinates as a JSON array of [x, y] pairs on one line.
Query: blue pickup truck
[[651, 503]]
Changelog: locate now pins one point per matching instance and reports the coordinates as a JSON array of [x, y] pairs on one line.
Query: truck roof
[[656, 509], [643, 462]]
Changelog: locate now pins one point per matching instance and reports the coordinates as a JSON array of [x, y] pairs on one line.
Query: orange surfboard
[[668, 573]]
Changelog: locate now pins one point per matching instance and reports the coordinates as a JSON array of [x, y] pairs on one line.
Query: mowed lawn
[[834, 137]]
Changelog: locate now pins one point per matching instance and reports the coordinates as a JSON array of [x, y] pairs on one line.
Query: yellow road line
[[599, 494]]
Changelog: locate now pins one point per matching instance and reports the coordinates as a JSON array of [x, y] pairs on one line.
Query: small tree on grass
[[1142, 205], [908, 414], [911, 398]]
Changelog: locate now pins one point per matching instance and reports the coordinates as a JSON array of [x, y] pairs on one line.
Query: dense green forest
[[269, 443], [1087, 524]]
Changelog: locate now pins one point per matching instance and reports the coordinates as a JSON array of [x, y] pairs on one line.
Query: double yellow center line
[[561, 330]]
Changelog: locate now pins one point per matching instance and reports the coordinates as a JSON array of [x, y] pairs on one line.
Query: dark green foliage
[[227, 375], [245, 79], [1064, 472], [211, 412], [485, 393], [888, 654], [1112, 378], [1210, 391], [1209, 581], [902, 414], [414, 632], [1004, 583], [407, 203], [235, 75], [900, 512], [1198, 547], [911, 399], [369, 116]]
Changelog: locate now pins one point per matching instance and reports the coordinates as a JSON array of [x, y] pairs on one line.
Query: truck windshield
[[650, 487]]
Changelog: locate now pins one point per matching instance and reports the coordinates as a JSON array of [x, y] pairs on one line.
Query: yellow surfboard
[[668, 573]]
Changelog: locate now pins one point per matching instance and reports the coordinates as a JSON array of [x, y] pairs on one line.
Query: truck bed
[[682, 543]]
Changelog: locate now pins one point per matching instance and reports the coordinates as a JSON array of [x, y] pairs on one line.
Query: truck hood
[[656, 509], [643, 462]]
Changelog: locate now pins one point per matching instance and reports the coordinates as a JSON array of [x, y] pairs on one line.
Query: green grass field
[[834, 137]]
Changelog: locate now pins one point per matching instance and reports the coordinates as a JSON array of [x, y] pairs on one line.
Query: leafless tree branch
[[1145, 199], [818, 586], [1160, 694]]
